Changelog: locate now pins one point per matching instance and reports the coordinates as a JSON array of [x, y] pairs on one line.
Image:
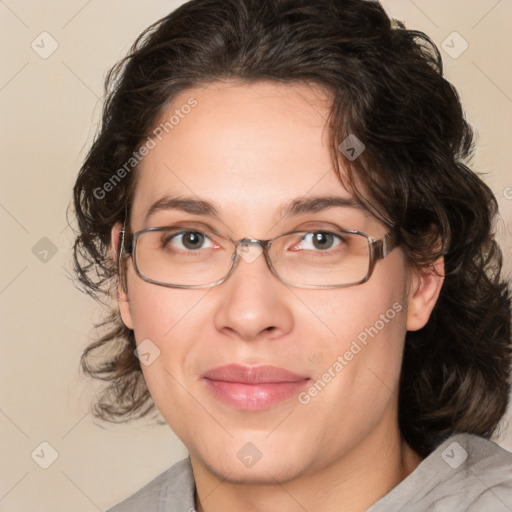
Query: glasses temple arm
[[382, 247]]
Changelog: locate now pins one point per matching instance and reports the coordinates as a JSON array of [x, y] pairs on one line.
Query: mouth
[[253, 388]]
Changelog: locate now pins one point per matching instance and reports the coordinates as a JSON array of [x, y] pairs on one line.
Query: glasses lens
[[180, 257], [321, 258], [175, 256]]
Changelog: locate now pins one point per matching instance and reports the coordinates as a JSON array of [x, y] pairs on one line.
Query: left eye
[[319, 240]]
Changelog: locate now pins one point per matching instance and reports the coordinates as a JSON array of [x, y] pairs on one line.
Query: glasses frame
[[379, 249]]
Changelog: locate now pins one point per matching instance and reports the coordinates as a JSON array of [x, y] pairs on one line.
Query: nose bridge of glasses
[[249, 249]]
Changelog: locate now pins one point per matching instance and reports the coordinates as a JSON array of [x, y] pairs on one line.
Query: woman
[[308, 287]]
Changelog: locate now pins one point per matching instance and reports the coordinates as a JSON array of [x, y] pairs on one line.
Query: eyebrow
[[317, 204], [186, 204], [293, 208]]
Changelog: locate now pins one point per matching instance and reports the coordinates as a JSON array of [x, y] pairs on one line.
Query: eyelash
[[169, 238]]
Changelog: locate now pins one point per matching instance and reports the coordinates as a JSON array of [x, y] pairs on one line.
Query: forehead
[[247, 148]]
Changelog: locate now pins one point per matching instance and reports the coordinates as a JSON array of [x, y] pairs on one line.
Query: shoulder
[[486, 475], [171, 490], [466, 473]]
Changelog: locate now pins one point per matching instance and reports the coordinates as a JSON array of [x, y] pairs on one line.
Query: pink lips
[[253, 388]]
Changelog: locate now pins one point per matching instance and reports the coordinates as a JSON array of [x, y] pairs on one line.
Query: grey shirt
[[466, 473]]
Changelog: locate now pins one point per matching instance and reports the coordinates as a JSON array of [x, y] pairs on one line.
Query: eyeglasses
[[181, 257]]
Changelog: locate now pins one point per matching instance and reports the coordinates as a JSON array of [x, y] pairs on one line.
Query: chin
[[263, 472]]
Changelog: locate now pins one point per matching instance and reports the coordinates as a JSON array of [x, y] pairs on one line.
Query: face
[[250, 151]]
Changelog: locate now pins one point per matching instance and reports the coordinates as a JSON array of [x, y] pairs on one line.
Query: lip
[[253, 388]]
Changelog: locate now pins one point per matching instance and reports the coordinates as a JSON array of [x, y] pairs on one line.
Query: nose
[[253, 303]]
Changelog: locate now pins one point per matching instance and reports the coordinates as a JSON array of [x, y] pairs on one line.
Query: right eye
[[188, 241]]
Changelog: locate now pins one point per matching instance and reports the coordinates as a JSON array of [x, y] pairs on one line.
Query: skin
[[250, 149]]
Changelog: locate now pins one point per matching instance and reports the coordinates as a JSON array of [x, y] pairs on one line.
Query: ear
[[424, 290], [122, 293]]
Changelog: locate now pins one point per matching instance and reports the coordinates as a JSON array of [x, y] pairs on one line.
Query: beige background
[[49, 111]]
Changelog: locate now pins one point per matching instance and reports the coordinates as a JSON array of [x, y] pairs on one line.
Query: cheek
[[366, 326], [364, 333], [357, 367], [158, 311], [359, 313], [166, 321]]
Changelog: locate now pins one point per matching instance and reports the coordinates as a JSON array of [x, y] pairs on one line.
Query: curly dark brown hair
[[387, 88]]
